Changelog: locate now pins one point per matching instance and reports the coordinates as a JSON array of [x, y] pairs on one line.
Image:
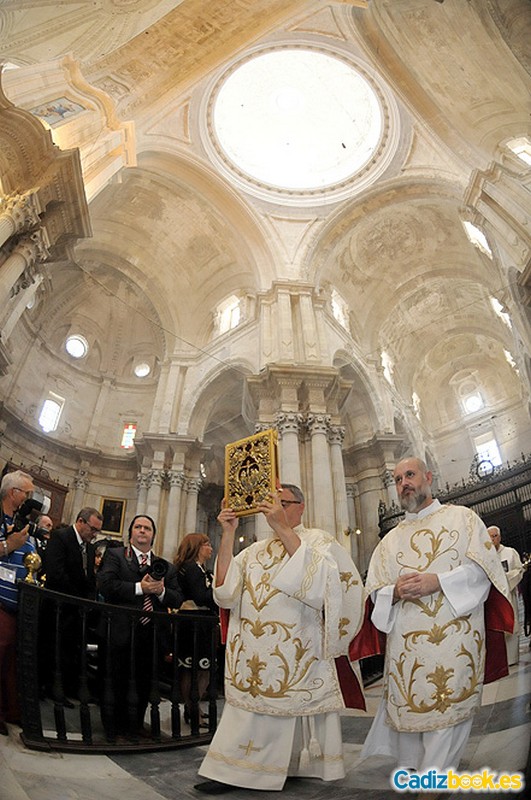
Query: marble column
[[192, 486], [142, 483], [336, 434], [323, 493], [390, 487], [156, 479], [351, 493], [172, 532], [288, 424], [18, 270], [18, 212], [80, 486]]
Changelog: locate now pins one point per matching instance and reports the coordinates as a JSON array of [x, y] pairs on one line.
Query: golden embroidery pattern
[[426, 608], [440, 543], [287, 679], [259, 628], [348, 579], [260, 594], [308, 576], [443, 695], [344, 622], [437, 633]]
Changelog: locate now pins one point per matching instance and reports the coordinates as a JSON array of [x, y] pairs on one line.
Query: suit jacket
[[119, 572], [64, 565], [196, 585]]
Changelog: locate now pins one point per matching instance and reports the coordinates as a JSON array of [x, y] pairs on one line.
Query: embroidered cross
[[249, 748]]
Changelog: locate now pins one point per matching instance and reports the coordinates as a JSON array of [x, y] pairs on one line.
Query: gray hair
[[11, 480], [86, 513], [296, 492]]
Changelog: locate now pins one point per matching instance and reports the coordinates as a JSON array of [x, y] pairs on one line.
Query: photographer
[[15, 488], [134, 576]]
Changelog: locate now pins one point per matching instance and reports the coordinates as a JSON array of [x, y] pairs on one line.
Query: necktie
[[83, 548], [147, 603]]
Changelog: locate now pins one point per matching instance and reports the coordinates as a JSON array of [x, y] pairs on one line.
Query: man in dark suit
[[125, 578], [70, 570]]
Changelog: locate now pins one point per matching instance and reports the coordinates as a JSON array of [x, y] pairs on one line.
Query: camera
[[158, 569], [32, 507]]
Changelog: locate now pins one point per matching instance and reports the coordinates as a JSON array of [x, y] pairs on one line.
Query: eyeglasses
[[285, 503], [92, 528], [24, 491]]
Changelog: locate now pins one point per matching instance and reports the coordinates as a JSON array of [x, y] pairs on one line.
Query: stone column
[[80, 484], [323, 493], [155, 482], [172, 535], [18, 212], [142, 483], [18, 271], [351, 492], [192, 486], [390, 487], [336, 434], [369, 495], [288, 424], [257, 523]]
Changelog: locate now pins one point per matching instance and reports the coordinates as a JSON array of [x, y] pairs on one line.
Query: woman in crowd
[[196, 585]]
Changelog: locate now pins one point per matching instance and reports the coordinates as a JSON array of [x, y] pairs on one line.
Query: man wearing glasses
[[296, 601], [15, 488], [70, 570]]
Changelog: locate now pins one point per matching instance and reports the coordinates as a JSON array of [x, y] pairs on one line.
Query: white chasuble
[[435, 656], [290, 617]]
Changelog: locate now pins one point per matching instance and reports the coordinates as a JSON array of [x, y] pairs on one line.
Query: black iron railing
[[55, 630]]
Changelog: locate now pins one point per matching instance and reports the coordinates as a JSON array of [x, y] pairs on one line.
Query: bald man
[[429, 578], [514, 570]]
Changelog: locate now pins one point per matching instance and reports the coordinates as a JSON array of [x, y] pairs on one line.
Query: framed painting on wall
[[113, 512]]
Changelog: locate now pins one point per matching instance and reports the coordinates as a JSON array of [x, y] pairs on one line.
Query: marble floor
[[500, 741]]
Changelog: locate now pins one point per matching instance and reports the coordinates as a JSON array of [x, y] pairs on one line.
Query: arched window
[[51, 412]]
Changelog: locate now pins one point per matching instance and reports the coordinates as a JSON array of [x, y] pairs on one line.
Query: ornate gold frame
[[251, 471]]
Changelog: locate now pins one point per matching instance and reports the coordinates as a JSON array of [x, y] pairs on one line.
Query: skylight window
[[142, 370], [473, 402], [76, 346], [51, 412], [297, 119]]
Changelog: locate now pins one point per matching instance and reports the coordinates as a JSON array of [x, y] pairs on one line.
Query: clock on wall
[[485, 468]]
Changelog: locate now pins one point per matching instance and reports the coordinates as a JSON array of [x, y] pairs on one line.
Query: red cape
[[499, 620]]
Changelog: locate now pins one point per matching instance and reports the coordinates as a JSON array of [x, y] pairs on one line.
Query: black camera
[[158, 569], [31, 508]]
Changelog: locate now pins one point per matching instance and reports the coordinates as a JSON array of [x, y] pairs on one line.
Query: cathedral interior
[[222, 217]]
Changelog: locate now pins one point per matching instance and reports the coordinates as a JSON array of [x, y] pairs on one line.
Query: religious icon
[[251, 470]]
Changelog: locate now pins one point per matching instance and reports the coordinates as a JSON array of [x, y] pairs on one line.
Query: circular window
[[297, 120], [142, 370], [77, 346]]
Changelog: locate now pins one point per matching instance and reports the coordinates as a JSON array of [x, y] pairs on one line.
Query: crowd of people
[[296, 617]]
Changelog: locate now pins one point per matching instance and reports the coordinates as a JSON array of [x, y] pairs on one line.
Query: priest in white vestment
[[429, 578], [514, 571], [296, 600]]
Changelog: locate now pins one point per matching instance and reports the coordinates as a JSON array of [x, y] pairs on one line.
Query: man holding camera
[[15, 488], [134, 576]]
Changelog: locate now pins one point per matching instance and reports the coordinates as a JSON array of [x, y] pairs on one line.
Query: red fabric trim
[[349, 684], [369, 641], [499, 620], [224, 615]]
